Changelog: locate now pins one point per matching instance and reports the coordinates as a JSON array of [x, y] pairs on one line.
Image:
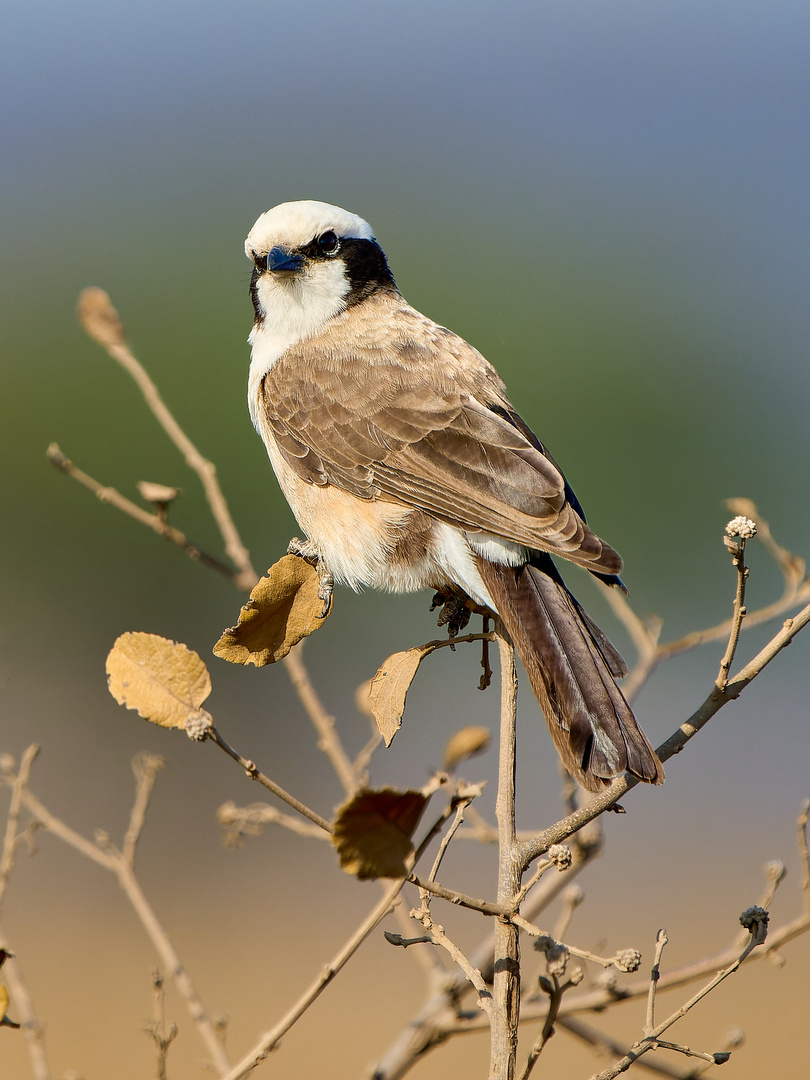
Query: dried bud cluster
[[753, 917], [198, 726], [561, 856], [627, 960], [741, 526]]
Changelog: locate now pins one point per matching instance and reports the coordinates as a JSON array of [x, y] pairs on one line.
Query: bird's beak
[[279, 260]]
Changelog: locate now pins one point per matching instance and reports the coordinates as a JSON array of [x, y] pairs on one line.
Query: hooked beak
[[282, 261]]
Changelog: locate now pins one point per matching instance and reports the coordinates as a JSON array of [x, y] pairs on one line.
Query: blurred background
[[610, 201]]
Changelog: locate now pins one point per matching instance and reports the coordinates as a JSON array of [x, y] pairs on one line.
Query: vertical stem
[[506, 981]]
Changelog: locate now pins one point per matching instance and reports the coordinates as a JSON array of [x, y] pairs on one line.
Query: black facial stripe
[[366, 269]]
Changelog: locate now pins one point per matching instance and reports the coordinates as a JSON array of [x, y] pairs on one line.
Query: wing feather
[[418, 416]]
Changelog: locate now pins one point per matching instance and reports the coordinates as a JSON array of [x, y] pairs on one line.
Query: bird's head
[[310, 262]]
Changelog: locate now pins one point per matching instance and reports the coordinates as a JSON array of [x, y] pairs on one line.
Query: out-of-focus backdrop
[[611, 202]]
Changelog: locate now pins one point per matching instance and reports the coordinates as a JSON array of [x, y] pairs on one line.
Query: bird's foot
[[305, 549], [454, 614]]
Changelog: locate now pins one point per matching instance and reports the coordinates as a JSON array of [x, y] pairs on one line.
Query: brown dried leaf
[[164, 681], [466, 742], [373, 832], [99, 318], [283, 608], [389, 687]]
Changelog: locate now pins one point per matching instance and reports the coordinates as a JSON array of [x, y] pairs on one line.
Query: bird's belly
[[383, 544]]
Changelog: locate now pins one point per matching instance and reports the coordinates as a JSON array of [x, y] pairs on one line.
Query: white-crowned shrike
[[407, 468]]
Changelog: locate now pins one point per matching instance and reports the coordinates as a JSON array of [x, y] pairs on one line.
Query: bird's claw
[[455, 613], [307, 551]]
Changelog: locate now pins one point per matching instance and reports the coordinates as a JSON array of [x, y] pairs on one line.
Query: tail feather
[[572, 667]]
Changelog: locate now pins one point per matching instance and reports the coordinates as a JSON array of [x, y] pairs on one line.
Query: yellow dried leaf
[[283, 608], [389, 687], [4, 1020], [164, 681], [373, 832], [466, 742]]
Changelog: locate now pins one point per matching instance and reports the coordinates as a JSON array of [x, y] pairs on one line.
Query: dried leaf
[[156, 493], [283, 608], [466, 742], [389, 687], [164, 681], [4, 1020], [373, 832], [99, 318]]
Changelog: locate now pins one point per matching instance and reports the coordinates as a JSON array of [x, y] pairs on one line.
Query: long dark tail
[[572, 668]]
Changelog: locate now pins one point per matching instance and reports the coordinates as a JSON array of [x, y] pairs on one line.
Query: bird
[[407, 467]]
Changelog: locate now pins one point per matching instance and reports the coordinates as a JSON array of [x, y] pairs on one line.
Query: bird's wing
[[414, 414]]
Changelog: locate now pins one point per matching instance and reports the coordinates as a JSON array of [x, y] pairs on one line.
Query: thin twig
[[152, 521], [649, 1041], [169, 957], [18, 786], [555, 995], [239, 820], [146, 768], [270, 1040], [660, 943], [100, 320], [593, 1037], [32, 1026], [323, 722], [737, 547], [23, 1002], [460, 899], [804, 853], [255, 774], [437, 936], [448, 836], [108, 856]]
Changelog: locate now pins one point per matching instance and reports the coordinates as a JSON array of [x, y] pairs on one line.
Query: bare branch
[[661, 942], [649, 1042], [271, 1039], [97, 313], [137, 513], [18, 786], [249, 820], [324, 724], [255, 774], [146, 768]]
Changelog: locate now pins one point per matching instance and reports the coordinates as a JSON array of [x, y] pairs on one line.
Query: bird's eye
[[328, 243], [259, 261]]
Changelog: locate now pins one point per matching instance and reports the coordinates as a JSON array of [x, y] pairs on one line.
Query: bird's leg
[[305, 549]]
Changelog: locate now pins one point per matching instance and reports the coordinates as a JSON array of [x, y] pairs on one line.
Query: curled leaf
[[164, 681], [373, 831], [389, 688], [283, 608], [466, 742]]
